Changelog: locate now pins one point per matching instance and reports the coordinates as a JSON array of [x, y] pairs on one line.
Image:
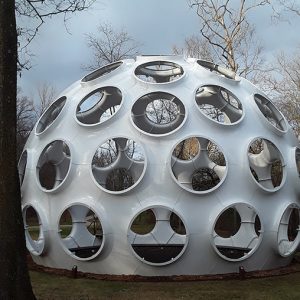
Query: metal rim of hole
[[259, 240], [186, 235], [219, 111], [219, 70], [141, 122], [67, 251], [30, 243], [277, 116], [96, 108], [297, 160], [171, 165], [142, 70], [55, 188], [137, 182], [43, 122], [22, 166], [101, 71], [283, 166], [283, 237]]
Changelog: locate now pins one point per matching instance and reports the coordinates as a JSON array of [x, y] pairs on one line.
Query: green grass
[[35, 230], [48, 287]]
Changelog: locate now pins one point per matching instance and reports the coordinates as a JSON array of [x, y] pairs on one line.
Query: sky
[[59, 54]]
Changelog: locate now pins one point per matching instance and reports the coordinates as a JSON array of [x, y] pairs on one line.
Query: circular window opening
[[53, 165], [198, 165], [50, 115], [35, 239], [237, 232], [160, 238], [159, 72], [99, 106], [22, 166], [102, 71], [81, 232], [271, 113], [158, 113], [219, 104], [288, 231], [266, 164], [118, 164], [216, 69]]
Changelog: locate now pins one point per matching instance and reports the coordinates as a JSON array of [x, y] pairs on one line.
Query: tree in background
[[284, 86], [195, 46], [29, 111], [109, 46], [228, 36], [14, 278]]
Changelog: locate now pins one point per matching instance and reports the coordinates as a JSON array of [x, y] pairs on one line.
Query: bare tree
[[14, 277], [109, 46], [25, 120], [224, 25], [46, 94], [283, 10], [197, 47], [284, 86], [32, 14]]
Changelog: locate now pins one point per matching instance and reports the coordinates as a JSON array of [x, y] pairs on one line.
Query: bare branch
[[109, 46]]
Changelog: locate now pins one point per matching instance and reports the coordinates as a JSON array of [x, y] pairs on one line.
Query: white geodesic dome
[[161, 166]]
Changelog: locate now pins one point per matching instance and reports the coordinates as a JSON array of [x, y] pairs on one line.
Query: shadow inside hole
[[293, 225]]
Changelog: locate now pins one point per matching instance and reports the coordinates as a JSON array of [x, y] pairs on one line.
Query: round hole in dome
[[288, 237], [50, 115], [266, 164], [158, 113], [159, 72], [204, 170], [144, 222], [102, 71], [219, 70], [53, 165], [81, 232], [271, 114], [99, 105], [34, 233], [237, 232], [219, 104], [162, 244], [118, 165], [22, 166]]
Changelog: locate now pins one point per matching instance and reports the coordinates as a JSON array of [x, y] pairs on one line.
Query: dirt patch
[[294, 267]]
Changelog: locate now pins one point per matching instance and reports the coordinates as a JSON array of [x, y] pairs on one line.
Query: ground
[[52, 286]]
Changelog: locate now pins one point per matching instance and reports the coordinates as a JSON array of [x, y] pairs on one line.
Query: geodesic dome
[[161, 166]]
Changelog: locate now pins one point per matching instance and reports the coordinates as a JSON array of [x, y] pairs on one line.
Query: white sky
[[157, 24]]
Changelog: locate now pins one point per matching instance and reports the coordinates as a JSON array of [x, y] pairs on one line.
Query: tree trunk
[[14, 278]]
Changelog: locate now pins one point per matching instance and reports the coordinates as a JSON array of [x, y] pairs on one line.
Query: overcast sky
[[156, 24]]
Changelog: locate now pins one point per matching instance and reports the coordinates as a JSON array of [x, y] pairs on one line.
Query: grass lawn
[[48, 286]]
